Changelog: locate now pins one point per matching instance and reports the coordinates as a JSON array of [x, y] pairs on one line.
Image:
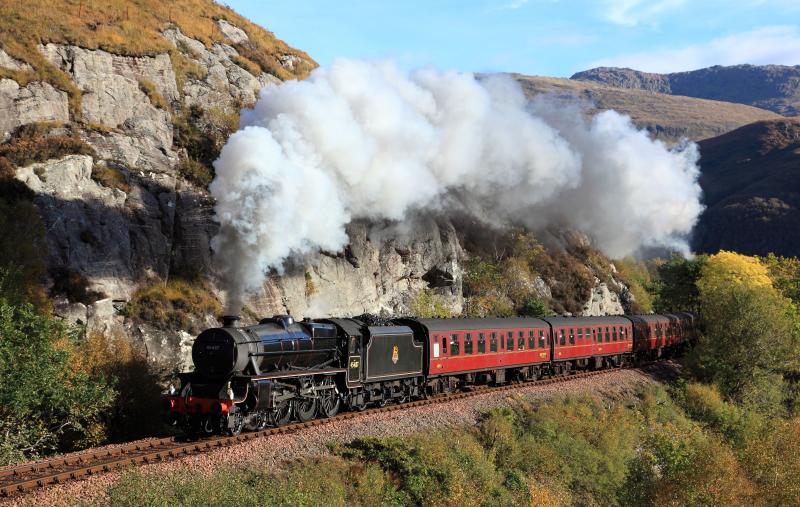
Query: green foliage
[[22, 250], [428, 304], [751, 346], [785, 275], [532, 306], [149, 89], [53, 406], [676, 289], [637, 277], [176, 304]]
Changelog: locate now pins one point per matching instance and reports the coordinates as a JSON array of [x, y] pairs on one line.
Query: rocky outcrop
[[603, 301], [35, 102]]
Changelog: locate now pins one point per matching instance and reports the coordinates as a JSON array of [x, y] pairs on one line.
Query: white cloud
[[771, 44], [634, 12]]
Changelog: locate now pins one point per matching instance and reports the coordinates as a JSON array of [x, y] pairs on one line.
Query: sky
[[538, 37]]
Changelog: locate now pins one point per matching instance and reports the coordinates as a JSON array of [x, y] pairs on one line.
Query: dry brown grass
[[126, 27], [666, 117]]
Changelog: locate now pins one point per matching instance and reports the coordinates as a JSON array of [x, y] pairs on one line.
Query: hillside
[[773, 87], [751, 182], [665, 116]]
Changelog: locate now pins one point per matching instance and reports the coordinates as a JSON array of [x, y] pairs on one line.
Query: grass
[[178, 304], [110, 177], [32, 143], [149, 89], [125, 28]]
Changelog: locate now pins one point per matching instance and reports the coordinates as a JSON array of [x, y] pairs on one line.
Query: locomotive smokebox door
[[392, 352]]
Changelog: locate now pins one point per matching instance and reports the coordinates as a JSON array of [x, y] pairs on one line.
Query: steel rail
[[15, 480]]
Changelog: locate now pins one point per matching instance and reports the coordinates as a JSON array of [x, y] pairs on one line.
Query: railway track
[[34, 475]]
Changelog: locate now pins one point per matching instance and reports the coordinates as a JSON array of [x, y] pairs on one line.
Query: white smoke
[[365, 140]]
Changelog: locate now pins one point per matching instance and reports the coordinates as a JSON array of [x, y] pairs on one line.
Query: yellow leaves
[[730, 268]]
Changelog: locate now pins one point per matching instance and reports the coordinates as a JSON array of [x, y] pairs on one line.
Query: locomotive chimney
[[230, 320]]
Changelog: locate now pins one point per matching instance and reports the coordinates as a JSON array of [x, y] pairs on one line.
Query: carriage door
[[354, 359]]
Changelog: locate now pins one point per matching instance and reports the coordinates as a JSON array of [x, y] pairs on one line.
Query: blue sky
[[541, 37]]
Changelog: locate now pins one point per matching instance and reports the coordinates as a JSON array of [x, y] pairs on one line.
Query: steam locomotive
[[279, 370]]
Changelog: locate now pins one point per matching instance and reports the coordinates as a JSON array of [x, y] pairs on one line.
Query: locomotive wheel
[[328, 400], [281, 414], [235, 422], [305, 409], [257, 421]]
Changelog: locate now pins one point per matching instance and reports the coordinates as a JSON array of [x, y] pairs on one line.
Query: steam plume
[[365, 140]]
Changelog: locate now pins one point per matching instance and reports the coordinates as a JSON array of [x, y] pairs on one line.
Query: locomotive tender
[[281, 370]]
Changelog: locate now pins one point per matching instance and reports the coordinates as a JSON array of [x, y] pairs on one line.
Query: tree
[[750, 347], [676, 289], [46, 403]]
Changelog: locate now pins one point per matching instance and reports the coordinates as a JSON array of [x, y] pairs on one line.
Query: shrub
[[196, 172], [135, 380], [428, 304], [534, 307], [110, 177], [23, 248], [177, 304], [53, 406], [31, 143], [149, 89], [310, 288], [676, 289], [636, 276]]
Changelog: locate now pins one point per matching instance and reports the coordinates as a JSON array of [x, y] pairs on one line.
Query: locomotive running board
[[299, 374]]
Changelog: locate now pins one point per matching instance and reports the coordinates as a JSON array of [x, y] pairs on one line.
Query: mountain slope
[[751, 182], [773, 87], [664, 116], [132, 28]]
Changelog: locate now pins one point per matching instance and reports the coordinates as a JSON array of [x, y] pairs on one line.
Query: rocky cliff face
[[156, 224], [772, 87]]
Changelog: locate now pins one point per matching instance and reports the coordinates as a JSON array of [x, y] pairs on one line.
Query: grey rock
[[603, 302], [232, 32], [11, 63], [86, 223], [35, 102]]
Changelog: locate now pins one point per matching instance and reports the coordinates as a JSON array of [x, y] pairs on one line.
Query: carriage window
[[580, 333], [481, 343], [562, 339], [468, 344], [572, 337], [541, 339], [454, 345], [531, 340], [521, 342], [493, 343], [444, 345], [608, 336], [510, 341], [588, 333]]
